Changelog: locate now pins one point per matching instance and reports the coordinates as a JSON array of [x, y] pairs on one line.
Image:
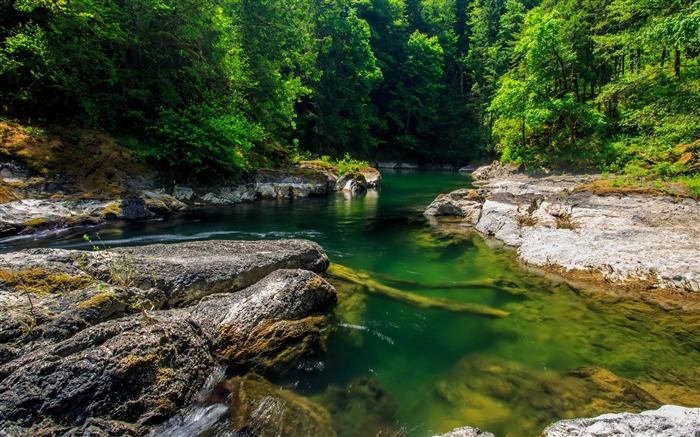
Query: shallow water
[[437, 369]]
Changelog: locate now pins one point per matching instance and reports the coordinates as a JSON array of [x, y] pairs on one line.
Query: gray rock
[[372, 177], [495, 170], [161, 203], [467, 431], [652, 239], [18, 215], [667, 421], [352, 183], [143, 368], [13, 171], [185, 272], [463, 203]]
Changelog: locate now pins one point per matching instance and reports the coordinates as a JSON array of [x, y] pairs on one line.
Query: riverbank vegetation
[[230, 85]]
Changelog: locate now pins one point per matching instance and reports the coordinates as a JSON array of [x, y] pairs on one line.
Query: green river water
[[396, 369]]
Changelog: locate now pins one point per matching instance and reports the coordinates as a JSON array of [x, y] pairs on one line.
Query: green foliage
[[225, 85], [207, 137], [345, 165]]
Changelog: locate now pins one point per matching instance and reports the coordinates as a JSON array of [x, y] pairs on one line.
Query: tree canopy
[[215, 85]]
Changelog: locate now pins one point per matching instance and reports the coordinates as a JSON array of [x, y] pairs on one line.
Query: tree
[[414, 109], [341, 117]]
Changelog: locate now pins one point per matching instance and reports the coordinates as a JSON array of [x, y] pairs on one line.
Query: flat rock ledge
[[43, 206], [620, 239], [667, 421], [115, 342]]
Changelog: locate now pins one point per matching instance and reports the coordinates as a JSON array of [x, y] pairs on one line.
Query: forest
[[232, 85]]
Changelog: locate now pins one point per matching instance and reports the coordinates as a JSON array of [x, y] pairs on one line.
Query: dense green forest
[[233, 84]]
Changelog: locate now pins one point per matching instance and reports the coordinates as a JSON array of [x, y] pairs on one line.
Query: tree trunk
[[677, 62], [663, 57]]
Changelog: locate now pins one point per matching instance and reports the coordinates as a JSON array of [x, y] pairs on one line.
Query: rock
[[372, 177], [13, 171], [133, 208], [669, 420], [362, 407], [467, 431], [134, 369], [23, 214], [463, 203], [143, 368], [352, 183], [268, 326], [482, 389], [249, 405], [638, 241], [264, 410], [185, 272], [495, 170], [386, 164], [161, 203]]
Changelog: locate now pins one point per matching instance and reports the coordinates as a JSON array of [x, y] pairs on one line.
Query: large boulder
[[464, 203], [99, 341], [185, 272], [667, 421], [142, 368]]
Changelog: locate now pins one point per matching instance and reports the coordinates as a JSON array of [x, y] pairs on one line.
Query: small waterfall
[[201, 415]]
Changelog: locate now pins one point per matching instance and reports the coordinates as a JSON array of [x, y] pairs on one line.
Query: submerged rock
[[483, 389], [667, 421], [94, 353], [362, 407]]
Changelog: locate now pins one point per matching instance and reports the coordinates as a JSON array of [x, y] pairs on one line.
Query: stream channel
[[395, 369]]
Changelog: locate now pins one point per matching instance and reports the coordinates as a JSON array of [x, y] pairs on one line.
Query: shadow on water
[[394, 367]]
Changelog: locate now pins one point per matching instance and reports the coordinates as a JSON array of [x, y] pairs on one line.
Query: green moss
[[35, 224], [41, 282], [99, 301], [112, 211]]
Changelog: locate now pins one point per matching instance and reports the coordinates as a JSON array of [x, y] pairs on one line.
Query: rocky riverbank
[[114, 342], [560, 223], [76, 178]]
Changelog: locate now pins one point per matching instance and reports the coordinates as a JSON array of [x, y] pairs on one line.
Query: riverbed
[[392, 368]]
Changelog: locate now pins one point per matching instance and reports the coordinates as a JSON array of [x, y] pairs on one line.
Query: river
[[393, 368]]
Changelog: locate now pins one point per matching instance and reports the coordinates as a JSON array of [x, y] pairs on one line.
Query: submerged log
[[502, 285], [372, 286]]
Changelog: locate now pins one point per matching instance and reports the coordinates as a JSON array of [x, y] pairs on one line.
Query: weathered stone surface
[[495, 170], [467, 431], [161, 203], [618, 238], [142, 368], [133, 369], [34, 214], [269, 325], [352, 183], [667, 421], [185, 272], [372, 177], [463, 203]]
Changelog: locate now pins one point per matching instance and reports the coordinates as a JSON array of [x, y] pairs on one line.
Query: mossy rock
[[41, 281], [263, 410], [112, 211]]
